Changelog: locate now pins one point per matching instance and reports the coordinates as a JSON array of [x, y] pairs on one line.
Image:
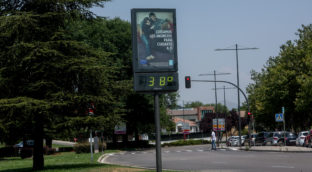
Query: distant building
[[189, 117]]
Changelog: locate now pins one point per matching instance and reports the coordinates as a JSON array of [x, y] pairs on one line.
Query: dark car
[[25, 149], [289, 137], [253, 138], [273, 138], [260, 138], [29, 143]]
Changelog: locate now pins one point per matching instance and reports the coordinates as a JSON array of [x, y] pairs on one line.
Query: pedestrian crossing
[[164, 151]]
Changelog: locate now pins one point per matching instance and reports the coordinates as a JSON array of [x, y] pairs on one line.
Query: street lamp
[[238, 98], [216, 105]]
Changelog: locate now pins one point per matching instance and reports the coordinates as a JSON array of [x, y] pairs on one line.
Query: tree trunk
[[49, 142], [136, 135], [38, 159]]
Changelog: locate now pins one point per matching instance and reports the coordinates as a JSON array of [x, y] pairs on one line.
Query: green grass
[[68, 162], [64, 162]]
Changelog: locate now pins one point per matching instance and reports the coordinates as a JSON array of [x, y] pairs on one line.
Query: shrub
[[64, 149], [129, 144], [187, 142], [85, 147], [8, 152]]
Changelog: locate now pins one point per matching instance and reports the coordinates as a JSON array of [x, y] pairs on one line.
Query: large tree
[[114, 36], [49, 80], [285, 81]]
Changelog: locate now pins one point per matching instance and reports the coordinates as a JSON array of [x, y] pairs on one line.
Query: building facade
[[189, 118]]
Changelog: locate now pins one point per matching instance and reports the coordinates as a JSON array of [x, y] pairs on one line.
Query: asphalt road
[[201, 158]]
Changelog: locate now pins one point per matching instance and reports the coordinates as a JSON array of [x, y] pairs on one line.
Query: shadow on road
[[59, 167]]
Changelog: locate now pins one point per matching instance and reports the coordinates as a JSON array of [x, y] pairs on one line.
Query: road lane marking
[[282, 166]]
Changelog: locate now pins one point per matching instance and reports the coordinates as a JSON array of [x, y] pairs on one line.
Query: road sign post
[[283, 112], [280, 117]]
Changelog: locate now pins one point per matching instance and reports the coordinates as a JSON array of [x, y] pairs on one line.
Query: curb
[[277, 149]]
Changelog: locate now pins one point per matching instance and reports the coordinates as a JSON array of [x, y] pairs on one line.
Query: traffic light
[[187, 82], [249, 113]]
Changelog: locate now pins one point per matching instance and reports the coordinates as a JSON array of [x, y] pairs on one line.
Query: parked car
[[29, 143], [260, 138], [25, 150], [234, 141], [273, 138], [308, 140], [289, 137], [229, 141], [253, 138], [301, 137]]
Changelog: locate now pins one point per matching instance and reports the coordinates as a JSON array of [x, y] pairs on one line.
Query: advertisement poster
[[221, 122], [154, 40]]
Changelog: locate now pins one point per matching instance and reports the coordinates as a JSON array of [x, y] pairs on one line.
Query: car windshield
[[276, 135], [266, 134], [291, 135], [305, 134]]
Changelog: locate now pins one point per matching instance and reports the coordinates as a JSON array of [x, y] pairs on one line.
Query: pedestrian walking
[[213, 141]]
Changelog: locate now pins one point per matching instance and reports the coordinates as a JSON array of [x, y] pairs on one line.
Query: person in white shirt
[[213, 141]]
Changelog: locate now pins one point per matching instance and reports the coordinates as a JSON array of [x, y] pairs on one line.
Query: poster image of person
[[155, 45]]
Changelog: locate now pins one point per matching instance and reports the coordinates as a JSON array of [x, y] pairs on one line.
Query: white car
[[301, 137], [234, 141]]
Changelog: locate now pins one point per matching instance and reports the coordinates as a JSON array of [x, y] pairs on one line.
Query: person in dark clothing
[[147, 36]]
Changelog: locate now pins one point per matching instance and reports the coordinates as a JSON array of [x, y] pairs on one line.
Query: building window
[[203, 112], [179, 129]]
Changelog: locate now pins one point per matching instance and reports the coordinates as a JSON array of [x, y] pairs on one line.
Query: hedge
[[85, 147]]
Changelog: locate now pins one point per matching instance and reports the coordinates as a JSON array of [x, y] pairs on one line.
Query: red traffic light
[[249, 113], [187, 82]]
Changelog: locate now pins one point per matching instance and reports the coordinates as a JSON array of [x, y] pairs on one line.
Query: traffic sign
[[186, 131], [221, 124], [279, 117]]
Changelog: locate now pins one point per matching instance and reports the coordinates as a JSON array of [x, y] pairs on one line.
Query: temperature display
[[156, 82]]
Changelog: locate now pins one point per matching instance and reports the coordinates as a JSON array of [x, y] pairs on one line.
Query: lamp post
[[238, 97], [224, 104], [216, 98]]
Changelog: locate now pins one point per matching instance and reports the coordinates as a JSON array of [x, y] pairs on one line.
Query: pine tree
[[48, 80]]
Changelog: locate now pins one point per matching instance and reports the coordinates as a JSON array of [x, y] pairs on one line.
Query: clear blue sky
[[205, 25]]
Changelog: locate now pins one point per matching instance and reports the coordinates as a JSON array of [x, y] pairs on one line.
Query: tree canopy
[[285, 81], [50, 79]]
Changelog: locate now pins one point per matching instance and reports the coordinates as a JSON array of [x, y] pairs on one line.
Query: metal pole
[[216, 107], [238, 106], [283, 111], [183, 126], [91, 150], [157, 123], [253, 127], [102, 138], [238, 99], [225, 112]]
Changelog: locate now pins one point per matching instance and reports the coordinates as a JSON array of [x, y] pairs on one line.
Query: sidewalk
[[64, 143], [273, 148]]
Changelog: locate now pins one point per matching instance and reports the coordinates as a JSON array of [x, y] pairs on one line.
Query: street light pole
[[225, 105], [238, 97], [216, 98]]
